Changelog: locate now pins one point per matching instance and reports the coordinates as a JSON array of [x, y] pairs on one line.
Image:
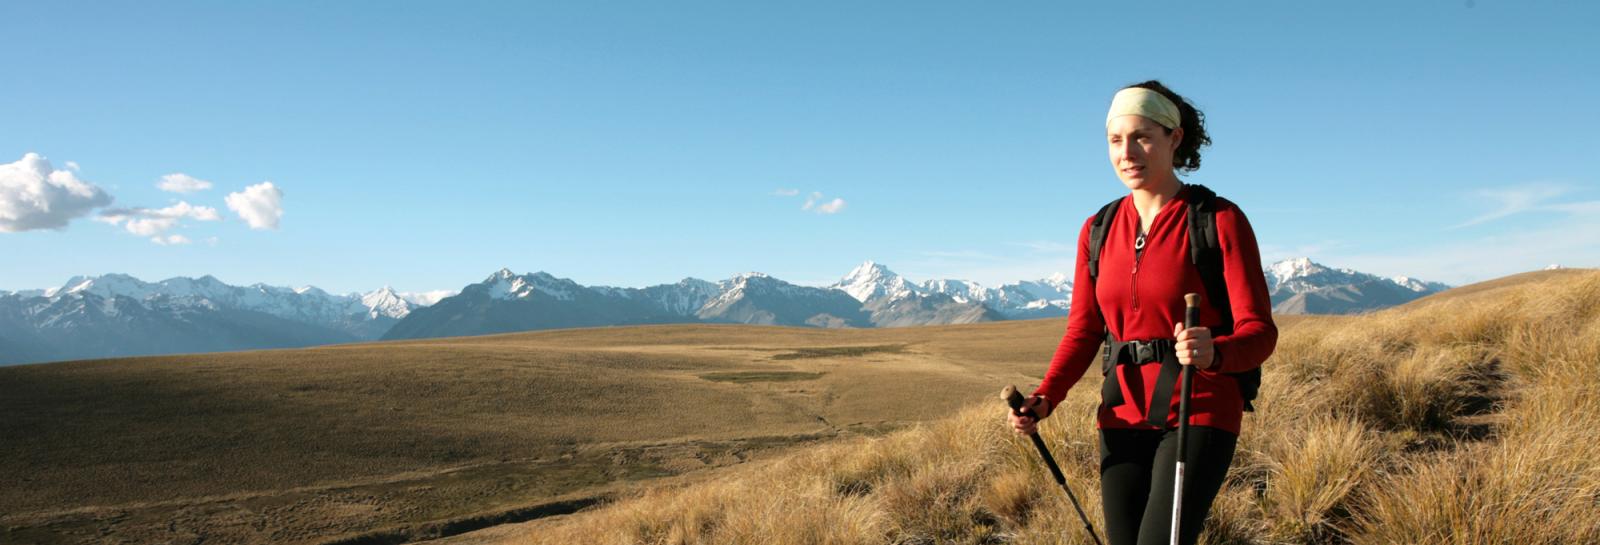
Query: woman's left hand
[[1194, 346]]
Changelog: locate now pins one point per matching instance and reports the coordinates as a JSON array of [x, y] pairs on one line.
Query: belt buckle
[[1144, 351]]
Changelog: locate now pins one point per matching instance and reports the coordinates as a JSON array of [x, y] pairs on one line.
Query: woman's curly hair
[[1187, 156]]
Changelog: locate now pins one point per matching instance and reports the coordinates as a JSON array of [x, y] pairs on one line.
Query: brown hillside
[[1448, 420]]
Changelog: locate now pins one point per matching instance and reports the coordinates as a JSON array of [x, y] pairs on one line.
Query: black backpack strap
[[1097, 240], [1205, 251], [1097, 234]]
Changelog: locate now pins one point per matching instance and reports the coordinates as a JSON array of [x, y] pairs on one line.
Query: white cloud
[[786, 192], [1574, 242], [425, 298], [1048, 247], [1515, 200], [831, 207], [171, 240], [154, 223], [259, 205], [1581, 207], [34, 195], [1570, 235], [179, 182], [72, 166]]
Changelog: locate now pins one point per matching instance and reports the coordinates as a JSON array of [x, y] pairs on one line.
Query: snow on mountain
[[206, 287], [306, 304], [874, 284], [1419, 286], [506, 285], [1299, 286], [384, 302], [871, 281], [1036, 296], [684, 298], [733, 289], [1291, 268], [1300, 274], [110, 286], [961, 290], [756, 298]]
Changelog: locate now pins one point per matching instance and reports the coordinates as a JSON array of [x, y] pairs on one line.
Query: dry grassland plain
[[1458, 418], [1461, 418], [396, 441]]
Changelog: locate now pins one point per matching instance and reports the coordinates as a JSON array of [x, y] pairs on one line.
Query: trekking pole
[[1014, 399], [1191, 318]]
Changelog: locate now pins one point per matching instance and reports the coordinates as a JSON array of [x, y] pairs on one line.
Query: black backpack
[[1206, 254]]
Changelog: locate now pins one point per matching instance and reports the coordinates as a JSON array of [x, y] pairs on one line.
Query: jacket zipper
[[1134, 282]]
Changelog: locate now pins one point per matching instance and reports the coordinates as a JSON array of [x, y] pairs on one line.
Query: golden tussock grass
[[1460, 418]]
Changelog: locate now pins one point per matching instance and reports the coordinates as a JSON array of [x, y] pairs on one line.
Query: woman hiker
[[1128, 293]]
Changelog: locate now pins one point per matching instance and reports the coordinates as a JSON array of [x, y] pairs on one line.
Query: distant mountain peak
[[1295, 268], [871, 281], [385, 302], [506, 285]]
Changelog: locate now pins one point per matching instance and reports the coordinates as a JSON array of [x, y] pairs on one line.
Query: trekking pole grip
[[1015, 400]]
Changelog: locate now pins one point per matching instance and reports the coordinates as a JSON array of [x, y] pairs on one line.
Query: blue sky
[[426, 145]]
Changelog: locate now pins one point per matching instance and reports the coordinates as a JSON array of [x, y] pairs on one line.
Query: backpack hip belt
[[1139, 353]]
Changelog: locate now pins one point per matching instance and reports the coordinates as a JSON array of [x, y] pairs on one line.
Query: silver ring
[[1194, 352]]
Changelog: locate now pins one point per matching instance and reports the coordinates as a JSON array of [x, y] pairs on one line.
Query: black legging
[[1136, 471]]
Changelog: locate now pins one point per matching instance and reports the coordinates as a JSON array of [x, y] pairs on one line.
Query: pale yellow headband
[[1147, 103]]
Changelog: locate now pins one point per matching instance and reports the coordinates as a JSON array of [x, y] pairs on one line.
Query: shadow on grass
[[840, 351]]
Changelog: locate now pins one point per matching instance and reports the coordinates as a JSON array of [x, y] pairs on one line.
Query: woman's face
[[1141, 150]]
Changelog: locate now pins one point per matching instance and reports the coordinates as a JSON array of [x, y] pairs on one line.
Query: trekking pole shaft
[[1191, 318], [1049, 461], [1055, 471], [1014, 399]]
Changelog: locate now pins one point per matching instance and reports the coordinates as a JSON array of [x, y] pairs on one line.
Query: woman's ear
[[1177, 139]]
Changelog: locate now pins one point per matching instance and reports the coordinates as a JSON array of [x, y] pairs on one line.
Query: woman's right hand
[[1026, 423]]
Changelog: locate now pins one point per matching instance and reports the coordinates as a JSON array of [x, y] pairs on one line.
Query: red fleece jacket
[[1142, 299]]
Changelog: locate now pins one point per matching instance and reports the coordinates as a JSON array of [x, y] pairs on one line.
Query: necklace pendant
[[1138, 243]]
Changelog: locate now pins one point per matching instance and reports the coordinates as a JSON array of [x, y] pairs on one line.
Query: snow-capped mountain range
[[1301, 286], [1051, 296], [1301, 274], [119, 315], [308, 303]]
